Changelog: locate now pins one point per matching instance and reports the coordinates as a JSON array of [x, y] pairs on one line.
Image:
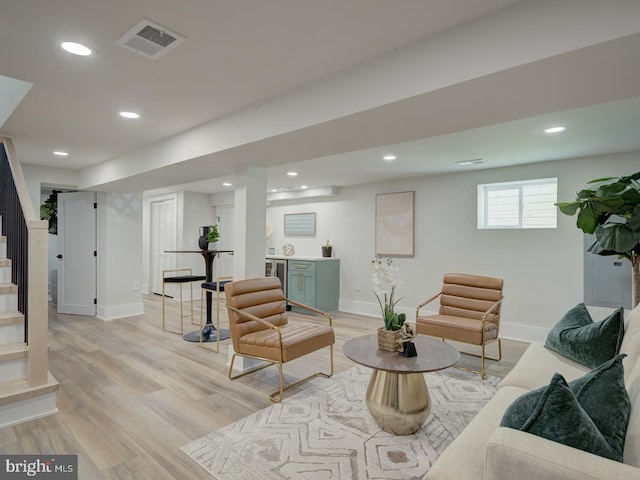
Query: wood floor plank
[[118, 372], [131, 395], [160, 440]]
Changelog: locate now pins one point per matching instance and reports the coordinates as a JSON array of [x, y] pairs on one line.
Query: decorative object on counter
[[288, 250], [386, 277], [327, 249], [272, 251]]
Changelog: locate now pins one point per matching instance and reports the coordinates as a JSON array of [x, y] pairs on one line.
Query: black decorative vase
[[203, 242]]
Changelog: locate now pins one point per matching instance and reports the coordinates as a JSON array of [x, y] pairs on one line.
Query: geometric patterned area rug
[[325, 432]]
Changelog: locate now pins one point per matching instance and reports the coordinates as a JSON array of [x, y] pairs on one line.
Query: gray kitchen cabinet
[[315, 283]]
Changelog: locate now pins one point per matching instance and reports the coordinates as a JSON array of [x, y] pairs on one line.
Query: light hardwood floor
[[131, 395]]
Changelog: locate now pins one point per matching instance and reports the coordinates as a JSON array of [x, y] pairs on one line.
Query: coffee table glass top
[[432, 355]]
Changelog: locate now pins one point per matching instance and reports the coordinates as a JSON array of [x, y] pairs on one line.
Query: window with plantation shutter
[[525, 204]]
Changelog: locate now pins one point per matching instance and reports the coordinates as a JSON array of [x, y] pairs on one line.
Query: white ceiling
[[243, 53]]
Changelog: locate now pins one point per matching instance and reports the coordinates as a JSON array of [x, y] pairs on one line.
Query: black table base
[[210, 334]]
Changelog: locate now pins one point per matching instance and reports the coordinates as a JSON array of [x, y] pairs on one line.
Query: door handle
[[58, 256]]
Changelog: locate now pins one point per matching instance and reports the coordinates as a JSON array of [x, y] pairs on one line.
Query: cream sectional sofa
[[484, 450]]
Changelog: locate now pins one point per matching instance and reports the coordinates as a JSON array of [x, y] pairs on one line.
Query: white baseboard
[[511, 331], [372, 309], [119, 311], [27, 410], [523, 333]]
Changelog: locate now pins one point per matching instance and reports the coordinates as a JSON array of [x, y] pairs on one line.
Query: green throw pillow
[[577, 337], [596, 395]]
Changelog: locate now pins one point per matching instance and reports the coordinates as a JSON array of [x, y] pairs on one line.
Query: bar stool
[[216, 287], [181, 280]]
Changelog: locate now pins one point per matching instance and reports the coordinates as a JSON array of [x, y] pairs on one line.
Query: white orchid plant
[[386, 277]]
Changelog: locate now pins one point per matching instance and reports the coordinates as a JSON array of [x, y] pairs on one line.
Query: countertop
[[298, 257]]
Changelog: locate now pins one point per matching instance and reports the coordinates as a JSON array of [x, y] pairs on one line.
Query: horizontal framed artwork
[[300, 224], [395, 224]]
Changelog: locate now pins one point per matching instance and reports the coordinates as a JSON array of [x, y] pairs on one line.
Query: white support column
[[249, 236], [250, 222]]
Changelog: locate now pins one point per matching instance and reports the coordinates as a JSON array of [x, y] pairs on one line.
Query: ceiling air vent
[[150, 39]]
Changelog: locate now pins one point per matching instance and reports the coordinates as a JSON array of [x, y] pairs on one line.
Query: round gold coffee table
[[397, 397]]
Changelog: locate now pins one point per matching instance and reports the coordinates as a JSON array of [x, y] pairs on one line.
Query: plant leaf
[[631, 197], [602, 180], [568, 208], [617, 237], [587, 219], [611, 189], [606, 204], [584, 194], [634, 220]]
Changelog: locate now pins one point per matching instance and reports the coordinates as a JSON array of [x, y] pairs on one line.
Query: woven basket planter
[[388, 340]]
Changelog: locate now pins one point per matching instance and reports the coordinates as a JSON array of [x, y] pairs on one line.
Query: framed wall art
[[299, 224], [395, 224]]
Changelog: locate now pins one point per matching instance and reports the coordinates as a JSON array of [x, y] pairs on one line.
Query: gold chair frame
[[182, 316], [278, 395]]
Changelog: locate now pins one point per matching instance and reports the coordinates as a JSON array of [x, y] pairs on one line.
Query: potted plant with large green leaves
[[386, 277], [610, 209]]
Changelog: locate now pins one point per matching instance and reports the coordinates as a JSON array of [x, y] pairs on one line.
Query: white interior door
[[163, 236], [77, 253], [224, 262]]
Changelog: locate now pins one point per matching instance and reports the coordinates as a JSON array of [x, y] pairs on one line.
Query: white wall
[[119, 255], [194, 211], [38, 177], [542, 269]]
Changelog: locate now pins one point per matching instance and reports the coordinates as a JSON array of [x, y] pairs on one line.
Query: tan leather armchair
[[259, 328], [469, 312]]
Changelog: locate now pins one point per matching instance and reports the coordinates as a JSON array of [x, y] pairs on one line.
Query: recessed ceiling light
[[554, 129], [389, 157], [76, 49], [61, 154], [274, 190], [292, 174], [303, 187], [129, 115], [226, 184], [466, 163]]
